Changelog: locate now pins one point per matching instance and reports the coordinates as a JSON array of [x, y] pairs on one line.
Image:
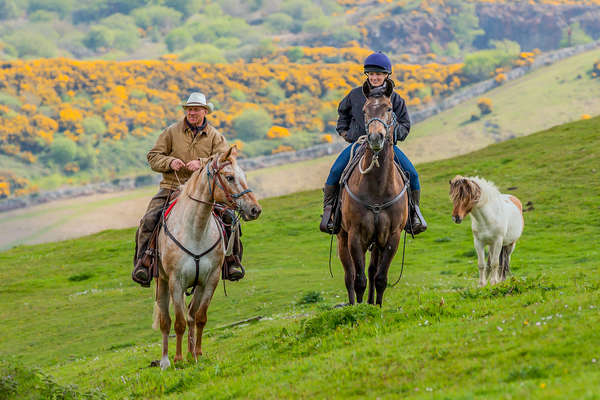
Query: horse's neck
[[483, 212], [380, 180], [191, 218]]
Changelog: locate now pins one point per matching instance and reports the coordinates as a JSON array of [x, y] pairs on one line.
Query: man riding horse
[[351, 126], [181, 149]]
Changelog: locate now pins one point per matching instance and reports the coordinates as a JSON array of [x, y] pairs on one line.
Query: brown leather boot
[[330, 193], [417, 221]]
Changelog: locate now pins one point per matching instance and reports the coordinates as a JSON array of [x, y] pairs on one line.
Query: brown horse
[[192, 249], [374, 203]]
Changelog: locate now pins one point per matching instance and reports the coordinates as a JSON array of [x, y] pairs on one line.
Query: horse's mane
[[190, 186]]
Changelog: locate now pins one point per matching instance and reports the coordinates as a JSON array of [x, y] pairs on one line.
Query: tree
[[252, 124], [99, 37]]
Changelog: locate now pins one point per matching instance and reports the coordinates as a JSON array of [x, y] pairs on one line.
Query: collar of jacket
[[195, 129]]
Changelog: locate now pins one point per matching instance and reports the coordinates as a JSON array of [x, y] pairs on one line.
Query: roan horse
[[496, 221], [192, 224], [374, 203]]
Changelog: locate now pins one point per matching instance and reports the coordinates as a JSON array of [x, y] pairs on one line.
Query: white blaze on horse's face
[[377, 114]]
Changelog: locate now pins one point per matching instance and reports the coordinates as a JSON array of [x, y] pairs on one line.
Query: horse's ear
[[366, 89], [389, 87], [229, 153]]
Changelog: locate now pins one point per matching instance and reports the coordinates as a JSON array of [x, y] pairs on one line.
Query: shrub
[[31, 44], [61, 7], [485, 105], [279, 22], [574, 35], [252, 123], [94, 125], [156, 17], [203, 52], [99, 37], [62, 151], [178, 38], [311, 297]]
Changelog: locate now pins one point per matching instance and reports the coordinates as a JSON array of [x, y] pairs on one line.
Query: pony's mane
[[488, 189], [472, 188]]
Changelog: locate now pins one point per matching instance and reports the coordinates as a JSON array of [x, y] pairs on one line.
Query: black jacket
[[351, 117]]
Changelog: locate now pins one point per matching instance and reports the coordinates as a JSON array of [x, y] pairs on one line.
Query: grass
[[71, 315]]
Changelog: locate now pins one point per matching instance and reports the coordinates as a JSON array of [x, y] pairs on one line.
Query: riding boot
[[330, 193], [233, 269], [417, 221]]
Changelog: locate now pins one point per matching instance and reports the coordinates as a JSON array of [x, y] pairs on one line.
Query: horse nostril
[[255, 211]]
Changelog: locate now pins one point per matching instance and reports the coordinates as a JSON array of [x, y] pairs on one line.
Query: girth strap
[[375, 208], [196, 257]]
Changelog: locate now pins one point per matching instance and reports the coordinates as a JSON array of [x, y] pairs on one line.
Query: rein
[[231, 197]]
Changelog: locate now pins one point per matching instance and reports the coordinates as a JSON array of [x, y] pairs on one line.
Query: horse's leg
[[495, 249], [346, 259], [360, 283], [180, 314], [357, 253], [163, 319], [387, 254], [372, 271], [481, 262], [508, 249], [201, 316]]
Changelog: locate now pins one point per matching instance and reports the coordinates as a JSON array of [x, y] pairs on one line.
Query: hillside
[[437, 335], [106, 76], [533, 102]]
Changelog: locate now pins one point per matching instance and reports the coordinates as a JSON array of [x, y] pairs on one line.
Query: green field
[[75, 325]]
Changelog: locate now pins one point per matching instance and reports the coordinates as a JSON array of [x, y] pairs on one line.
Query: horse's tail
[[504, 260]]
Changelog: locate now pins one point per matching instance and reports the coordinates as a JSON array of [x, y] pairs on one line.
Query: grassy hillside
[[70, 309]]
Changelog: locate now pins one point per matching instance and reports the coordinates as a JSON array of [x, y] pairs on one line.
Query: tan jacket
[[178, 141]]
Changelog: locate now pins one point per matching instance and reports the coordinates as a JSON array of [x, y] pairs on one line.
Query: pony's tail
[[504, 261]]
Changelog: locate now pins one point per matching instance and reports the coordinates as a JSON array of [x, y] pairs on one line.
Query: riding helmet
[[378, 62]]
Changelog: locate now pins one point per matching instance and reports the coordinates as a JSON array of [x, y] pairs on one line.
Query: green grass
[[71, 314]]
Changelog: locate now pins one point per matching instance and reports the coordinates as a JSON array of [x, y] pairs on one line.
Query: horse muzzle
[[251, 212], [376, 141], [457, 219]]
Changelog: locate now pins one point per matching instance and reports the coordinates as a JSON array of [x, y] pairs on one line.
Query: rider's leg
[[147, 225], [417, 221], [331, 188], [233, 263]]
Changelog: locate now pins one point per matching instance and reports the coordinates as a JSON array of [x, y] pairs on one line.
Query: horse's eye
[[389, 109], [230, 178]]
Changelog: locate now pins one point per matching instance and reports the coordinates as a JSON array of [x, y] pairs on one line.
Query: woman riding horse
[[351, 126]]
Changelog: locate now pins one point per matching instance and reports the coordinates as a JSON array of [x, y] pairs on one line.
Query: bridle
[[214, 177], [375, 159]]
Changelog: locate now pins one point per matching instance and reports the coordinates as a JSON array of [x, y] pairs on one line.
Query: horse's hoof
[[165, 363]]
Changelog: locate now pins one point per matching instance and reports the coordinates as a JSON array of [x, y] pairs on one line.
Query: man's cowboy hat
[[198, 99]]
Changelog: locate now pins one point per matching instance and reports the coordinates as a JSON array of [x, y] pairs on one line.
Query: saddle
[[358, 151], [150, 256]]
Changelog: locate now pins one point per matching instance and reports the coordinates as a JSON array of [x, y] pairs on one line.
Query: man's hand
[[177, 164], [194, 165]]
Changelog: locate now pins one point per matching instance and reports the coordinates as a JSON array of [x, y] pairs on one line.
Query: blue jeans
[[340, 163]]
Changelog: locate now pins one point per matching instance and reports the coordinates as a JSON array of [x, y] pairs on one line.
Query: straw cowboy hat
[[198, 99]]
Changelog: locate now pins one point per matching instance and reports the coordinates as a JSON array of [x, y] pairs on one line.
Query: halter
[[375, 160]]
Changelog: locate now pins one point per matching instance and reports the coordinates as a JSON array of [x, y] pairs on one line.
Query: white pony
[[496, 221]]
